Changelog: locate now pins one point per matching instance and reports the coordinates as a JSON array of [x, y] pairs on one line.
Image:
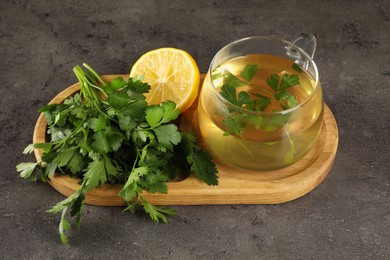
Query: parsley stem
[[292, 144], [240, 141], [94, 73], [62, 142], [92, 99], [98, 88], [263, 89], [129, 180]]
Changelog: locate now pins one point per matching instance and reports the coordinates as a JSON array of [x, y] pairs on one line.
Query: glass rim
[[281, 112]]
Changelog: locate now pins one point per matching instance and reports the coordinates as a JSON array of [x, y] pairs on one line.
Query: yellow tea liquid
[[276, 139]]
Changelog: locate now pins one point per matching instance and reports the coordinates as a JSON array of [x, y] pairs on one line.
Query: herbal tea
[[260, 112]]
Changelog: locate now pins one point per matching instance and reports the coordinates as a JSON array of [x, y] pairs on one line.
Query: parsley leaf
[[137, 89], [96, 174], [118, 100], [199, 160], [75, 164], [170, 111], [234, 124], [131, 188], [249, 71], [288, 81], [29, 149], [202, 166], [297, 68], [115, 85], [100, 143], [259, 104], [26, 170], [64, 156], [155, 182], [232, 80], [126, 122], [98, 124], [273, 82], [157, 213], [292, 102], [135, 109], [154, 114], [50, 169], [243, 98], [167, 135], [229, 93]]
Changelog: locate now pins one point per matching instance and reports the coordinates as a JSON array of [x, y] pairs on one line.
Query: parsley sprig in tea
[[107, 133], [256, 102]]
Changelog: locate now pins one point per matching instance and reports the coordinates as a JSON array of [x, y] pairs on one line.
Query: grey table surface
[[346, 217]]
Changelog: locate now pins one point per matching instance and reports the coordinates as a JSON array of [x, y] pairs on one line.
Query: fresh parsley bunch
[[107, 133]]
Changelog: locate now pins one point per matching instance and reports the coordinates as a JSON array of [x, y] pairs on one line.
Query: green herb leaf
[[98, 124], [231, 80], [292, 101], [297, 68], [26, 170], [229, 93], [249, 71], [46, 147], [157, 213], [64, 225], [63, 157], [77, 205], [200, 160], [275, 121], [156, 182], [288, 81], [29, 149], [115, 85], [259, 104], [236, 121], [50, 169], [167, 135], [170, 111], [65, 203], [96, 174], [126, 122], [215, 75], [75, 164], [234, 124], [154, 114], [114, 138], [135, 109], [118, 100], [243, 98], [58, 134], [100, 143], [203, 167], [137, 89], [132, 207], [135, 175], [273, 82], [111, 169], [284, 95], [254, 120]]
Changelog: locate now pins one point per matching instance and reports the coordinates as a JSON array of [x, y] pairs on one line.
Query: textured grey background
[[346, 217]]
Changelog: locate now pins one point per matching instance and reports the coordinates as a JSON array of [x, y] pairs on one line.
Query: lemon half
[[173, 75]]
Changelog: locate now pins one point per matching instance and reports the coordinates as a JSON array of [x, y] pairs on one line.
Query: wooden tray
[[236, 186]]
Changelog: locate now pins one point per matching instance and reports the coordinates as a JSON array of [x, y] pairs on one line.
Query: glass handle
[[307, 42]]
